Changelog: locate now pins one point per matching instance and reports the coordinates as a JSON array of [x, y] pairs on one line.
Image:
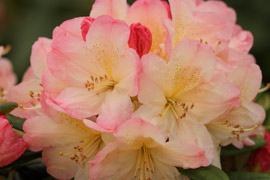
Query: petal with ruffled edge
[[212, 100], [248, 78], [80, 103], [107, 40], [114, 8], [7, 77], [38, 58]]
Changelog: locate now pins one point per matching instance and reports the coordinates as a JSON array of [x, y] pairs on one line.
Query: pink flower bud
[[86, 25], [140, 39], [11, 145]]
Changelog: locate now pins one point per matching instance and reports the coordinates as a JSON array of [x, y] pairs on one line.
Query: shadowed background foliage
[[23, 21]]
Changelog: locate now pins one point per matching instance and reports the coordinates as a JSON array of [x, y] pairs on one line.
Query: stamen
[[236, 130], [99, 83], [82, 152], [29, 108], [266, 88], [144, 165]]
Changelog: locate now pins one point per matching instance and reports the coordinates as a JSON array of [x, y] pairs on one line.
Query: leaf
[[16, 122], [7, 107], [204, 173], [233, 151], [248, 176]]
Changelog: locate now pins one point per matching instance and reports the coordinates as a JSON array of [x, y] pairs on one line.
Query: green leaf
[[204, 173], [16, 122], [7, 107], [233, 151], [247, 176]]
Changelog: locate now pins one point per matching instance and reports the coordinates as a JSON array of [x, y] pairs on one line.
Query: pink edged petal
[[242, 41], [94, 126], [52, 85], [42, 131], [248, 78], [211, 100], [196, 134], [117, 9], [107, 40], [71, 27], [181, 154], [60, 167], [69, 59], [80, 103], [7, 77], [116, 109], [113, 162], [126, 73], [38, 58], [150, 14], [136, 128], [191, 63]]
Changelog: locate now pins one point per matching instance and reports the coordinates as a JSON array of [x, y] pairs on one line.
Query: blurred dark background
[[23, 21]]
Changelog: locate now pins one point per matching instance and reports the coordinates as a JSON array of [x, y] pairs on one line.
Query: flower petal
[[211, 100], [38, 58], [191, 63], [116, 109], [117, 9], [79, 102], [248, 78], [58, 166], [113, 163]]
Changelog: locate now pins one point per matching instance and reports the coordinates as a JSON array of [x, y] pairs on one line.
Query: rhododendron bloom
[[142, 151], [185, 86], [67, 143], [27, 93], [7, 77], [11, 145], [100, 73], [212, 22], [240, 122]]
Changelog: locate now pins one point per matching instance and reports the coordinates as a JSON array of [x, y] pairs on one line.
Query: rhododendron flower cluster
[[132, 92]]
